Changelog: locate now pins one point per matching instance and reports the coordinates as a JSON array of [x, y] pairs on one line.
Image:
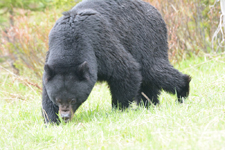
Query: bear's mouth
[[66, 112], [66, 117], [66, 120]]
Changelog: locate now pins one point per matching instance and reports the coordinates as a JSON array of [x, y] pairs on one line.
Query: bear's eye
[[73, 101], [58, 101]]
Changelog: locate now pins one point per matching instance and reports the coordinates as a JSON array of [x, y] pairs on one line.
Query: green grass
[[199, 123]]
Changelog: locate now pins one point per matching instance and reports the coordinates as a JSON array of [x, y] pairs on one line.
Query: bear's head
[[68, 88]]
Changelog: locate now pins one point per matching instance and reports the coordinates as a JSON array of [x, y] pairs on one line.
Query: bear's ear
[[49, 73], [83, 71]]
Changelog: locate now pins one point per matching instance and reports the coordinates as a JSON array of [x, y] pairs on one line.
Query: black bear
[[123, 42]]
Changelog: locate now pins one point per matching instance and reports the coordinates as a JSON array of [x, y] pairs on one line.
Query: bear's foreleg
[[49, 110], [125, 87]]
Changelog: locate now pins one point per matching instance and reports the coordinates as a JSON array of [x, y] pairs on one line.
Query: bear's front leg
[[49, 110]]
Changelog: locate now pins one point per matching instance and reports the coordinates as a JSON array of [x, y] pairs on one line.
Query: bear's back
[[133, 24], [136, 24]]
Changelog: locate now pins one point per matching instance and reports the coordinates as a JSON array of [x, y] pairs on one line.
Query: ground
[[199, 123]]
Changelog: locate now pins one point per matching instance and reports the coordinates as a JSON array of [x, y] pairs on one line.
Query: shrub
[[190, 23], [26, 42]]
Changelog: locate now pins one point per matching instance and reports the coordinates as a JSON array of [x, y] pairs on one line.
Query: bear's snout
[[66, 115]]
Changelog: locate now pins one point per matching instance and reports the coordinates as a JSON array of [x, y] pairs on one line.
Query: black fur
[[123, 42]]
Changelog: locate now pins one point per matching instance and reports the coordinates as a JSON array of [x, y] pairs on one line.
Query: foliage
[[26, 43], [64, 5], [218, 39], [191, 25], [196, 124], [9, 6]]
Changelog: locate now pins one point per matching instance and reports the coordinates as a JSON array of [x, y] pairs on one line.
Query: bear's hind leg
[[171, 80]]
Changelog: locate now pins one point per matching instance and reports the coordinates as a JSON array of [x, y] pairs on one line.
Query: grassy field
[[199, 123]]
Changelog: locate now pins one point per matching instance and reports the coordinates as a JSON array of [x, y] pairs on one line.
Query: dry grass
[[191, 25]]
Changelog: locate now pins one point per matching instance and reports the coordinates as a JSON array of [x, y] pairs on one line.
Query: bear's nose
[[65, 116]]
